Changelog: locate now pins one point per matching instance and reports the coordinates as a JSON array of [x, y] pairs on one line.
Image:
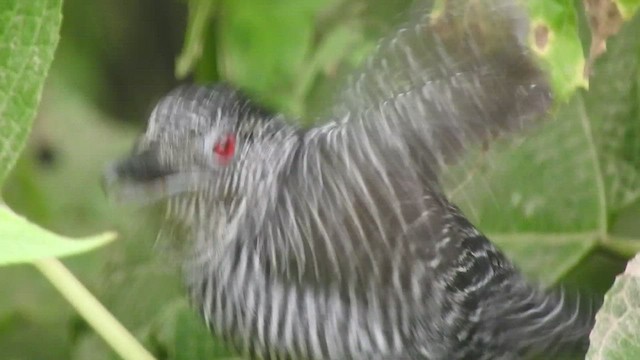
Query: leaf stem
[[102, 321], [200, 13]]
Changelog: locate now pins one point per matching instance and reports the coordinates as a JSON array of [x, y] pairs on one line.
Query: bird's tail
[[528, 321]]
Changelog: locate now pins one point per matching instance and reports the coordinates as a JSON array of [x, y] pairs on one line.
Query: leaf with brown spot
[[541, 37]]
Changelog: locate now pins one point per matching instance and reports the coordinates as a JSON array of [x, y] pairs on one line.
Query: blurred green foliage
[[30, 34], [564, 202]]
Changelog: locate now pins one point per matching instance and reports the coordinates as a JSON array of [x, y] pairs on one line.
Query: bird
[[337, 240]]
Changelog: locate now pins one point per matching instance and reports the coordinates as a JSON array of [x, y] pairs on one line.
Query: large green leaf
[[534, 185], [616, 335], [28, 38], [576, 173], [546, 257], [612, 107]]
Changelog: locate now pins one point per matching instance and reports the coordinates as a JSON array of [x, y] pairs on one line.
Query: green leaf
[[535, 185], [546, 257], [28, 38], [326, 58], [576, 173], [616, 334], [612, 107], [266, 63], [22, 241], [554, 37]]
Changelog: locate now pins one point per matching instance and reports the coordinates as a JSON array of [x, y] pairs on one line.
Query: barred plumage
[[336, 242]]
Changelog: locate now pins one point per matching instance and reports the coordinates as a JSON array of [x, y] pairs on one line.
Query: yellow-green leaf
[[554, 37], [628, 7], [22, 241]]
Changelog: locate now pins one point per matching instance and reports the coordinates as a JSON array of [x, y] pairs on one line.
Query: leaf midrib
[[602, 220]]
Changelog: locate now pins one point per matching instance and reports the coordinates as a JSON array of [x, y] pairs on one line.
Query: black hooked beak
[[141, 178], [142, 167]]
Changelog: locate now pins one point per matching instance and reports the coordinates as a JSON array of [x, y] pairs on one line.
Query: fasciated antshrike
[[336, 241]]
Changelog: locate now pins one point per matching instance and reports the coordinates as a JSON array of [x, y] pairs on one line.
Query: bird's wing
[[446, 80], [452, 77]]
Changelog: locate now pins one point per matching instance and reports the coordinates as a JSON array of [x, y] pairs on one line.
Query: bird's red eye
[[226, 147]]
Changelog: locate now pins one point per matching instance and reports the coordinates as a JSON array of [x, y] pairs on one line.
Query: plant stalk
[[102, 321]]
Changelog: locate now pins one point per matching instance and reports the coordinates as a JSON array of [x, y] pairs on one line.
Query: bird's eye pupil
[[225, 147]]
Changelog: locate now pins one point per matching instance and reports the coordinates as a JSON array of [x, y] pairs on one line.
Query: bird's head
[[208, 142]]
